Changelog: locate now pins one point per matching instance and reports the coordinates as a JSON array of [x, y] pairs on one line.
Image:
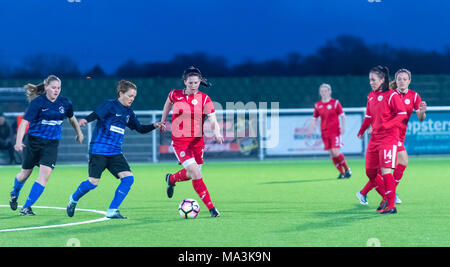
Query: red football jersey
[[329, 116], [386, 111], [411, 100], [189, 113]]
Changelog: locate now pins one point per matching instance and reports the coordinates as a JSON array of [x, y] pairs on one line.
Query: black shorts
[[114, 164], [39, 151]]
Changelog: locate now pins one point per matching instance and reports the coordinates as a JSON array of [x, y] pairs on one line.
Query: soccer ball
[[189, 208]]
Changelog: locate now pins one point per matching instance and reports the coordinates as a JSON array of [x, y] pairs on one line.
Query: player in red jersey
[[330, 110], [412, 102], [190, 108], [385, 112]]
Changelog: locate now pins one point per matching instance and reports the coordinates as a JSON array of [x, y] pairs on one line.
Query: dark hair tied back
[[382, 72], [193, 71]]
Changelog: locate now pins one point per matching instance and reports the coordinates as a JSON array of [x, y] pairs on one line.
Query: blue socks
[[121, 192], [35, 193], [17, 187], [84, 187]]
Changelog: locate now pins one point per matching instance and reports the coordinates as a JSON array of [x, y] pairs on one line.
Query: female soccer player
[[105, 150], [45, 115], [412, 102], [190, 108], [385, 112], [330, 110]]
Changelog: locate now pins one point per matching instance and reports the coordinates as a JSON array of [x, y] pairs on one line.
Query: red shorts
[[331, 141], [189, 152], [379, 155]]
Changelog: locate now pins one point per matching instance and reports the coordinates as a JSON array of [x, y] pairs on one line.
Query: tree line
[[344, 55]]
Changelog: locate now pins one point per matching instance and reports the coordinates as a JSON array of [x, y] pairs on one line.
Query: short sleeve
[[396, 104], [171, 96], [339, 109], [417, 100], [103, 109], [316, 111], [69, 109], [208, 106], [33, 110]]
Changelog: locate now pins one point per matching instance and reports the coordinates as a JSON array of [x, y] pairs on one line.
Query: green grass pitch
[[262, 204]]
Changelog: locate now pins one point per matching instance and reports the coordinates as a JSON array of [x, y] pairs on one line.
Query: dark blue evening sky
[[109, 32]]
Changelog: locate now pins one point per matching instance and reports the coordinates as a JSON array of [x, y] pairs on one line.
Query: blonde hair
[[325, 85], [393, 84], [33, 91], [123, 86]]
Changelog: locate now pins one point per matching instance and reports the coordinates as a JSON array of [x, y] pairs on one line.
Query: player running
[[44, 116], [105, 149], [330, 110], [412, 102], [385, 112], [190, 108]]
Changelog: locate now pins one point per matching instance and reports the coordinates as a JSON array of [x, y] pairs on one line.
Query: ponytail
[[382, 72], [193, 71], [393, 85], [33, 91]]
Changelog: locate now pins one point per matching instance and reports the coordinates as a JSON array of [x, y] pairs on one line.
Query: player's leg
[[19, 182], [37, 189], [336, 145], [194, 171], [30, 159], [185, 156], [388, 159], [97, 164], [334, 154], [118, 166], [402, 163], [372, 166]]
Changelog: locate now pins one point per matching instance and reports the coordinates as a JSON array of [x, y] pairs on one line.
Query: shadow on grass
[[333, 219], [300, 181]]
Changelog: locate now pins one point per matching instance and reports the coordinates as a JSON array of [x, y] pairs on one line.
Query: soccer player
[[44, 116], [329, 111], [385, 112], [105, 149], [190, 108], [412, 102]]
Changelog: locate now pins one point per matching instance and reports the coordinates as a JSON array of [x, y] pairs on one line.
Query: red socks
[[389, 184], [375, 181], [198, 184], [202, 191], [340, 163], [398, 173], [179, 176], [336, 162]]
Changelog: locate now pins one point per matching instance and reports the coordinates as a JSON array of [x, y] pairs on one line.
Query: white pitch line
[[57, 225]]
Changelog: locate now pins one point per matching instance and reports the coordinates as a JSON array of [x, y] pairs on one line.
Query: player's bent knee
[[128, 180], [94, 181]]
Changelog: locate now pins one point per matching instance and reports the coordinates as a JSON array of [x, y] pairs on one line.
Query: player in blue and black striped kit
[[44, 116], [105, 150]]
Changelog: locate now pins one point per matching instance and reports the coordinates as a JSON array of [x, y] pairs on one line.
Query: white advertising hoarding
[[293, 140]]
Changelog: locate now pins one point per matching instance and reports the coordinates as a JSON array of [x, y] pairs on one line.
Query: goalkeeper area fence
[[258, 134]]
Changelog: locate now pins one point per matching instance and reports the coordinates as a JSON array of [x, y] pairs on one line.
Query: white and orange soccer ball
[[189, 208]]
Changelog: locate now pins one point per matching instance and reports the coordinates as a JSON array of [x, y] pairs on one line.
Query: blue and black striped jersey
[[46, 117], [108, 135]]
